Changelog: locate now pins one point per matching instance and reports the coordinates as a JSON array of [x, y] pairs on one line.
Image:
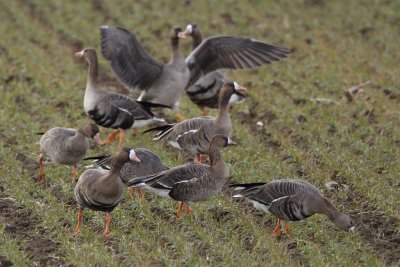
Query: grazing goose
[[164, 84], [102, 190], [194, 135], [150, 163], [291, 200], [66, 146], [135, 68], [113, 110], [190, 182]]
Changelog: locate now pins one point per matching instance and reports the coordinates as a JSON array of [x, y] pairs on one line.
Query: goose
[[190, 182], [102, 190], [135, 68], [66, 146], [150, 163], [193, 136], [164, 83], [291, 200], [113, 110]]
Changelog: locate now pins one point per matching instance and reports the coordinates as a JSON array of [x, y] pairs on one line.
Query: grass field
[[337, 45]]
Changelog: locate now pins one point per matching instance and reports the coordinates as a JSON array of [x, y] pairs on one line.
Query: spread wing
[[133, 66], [229, 52]]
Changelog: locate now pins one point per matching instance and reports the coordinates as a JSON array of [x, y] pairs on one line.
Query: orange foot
[[110, 138], [179, 117], [277, 230]]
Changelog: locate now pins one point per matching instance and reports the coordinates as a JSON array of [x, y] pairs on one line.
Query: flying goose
[[102, 190], [191, 182], [164, 83], [194, 135], [113, 110], [150, 163], [66, 146], [291, 200]]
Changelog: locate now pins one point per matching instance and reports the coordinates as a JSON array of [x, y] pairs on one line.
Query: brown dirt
[[21, 225]]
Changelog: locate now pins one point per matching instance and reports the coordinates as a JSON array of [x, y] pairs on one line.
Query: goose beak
[[133, 157], [231, 142], [182, 35], [96, 137], [79, 54], [239, 89]]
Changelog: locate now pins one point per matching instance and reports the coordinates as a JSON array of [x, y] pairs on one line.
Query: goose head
[[90, 130], [344, 222], [233, 91], [89, 54], [176, 33], [221, 141], [191, 30], [128, 154]]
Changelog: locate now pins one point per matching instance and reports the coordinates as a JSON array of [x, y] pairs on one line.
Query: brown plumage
[[66, 146], [291, 200], [193, 136], [102, 190], [191, 182]]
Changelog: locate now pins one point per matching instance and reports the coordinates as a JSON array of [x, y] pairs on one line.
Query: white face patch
[[132, 156], [189, 28], [235, 99], [236, 85]]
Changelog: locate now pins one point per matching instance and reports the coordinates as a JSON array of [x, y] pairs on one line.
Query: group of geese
[[102, 188]]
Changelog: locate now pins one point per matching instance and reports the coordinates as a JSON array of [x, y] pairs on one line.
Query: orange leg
[[74, 173], [277, 229], [203, 158], [110, 138], [203, 111], [188, 209], [108, 220], [287, 228], [41, 166], [80, 217], [180, 207], [121, 138], [140, 193], [179, 117], [130, 192]]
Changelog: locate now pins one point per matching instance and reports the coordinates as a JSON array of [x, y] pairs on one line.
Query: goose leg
[[78, 225], [121, 138], [41, 167], [197, 159], [108, 220], [188, 209], [287, 228], [203, 111], [202, 158], [130, 192], [180, 207], [110, 138], [179, 116], [140, 192], [74, 172], [277, 230]]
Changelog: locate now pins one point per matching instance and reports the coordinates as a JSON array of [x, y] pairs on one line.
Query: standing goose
[[291, 200], [135, 68], [194, 135], [102, 190], [150, 163], [66, 146], [165, 83], [113, 110], [191, 182]]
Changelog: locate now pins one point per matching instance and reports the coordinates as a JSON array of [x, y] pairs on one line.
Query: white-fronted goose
[[66, 146], [150, 163], [191, 182], [291, 200], [102, 190], [165, 83], [194, 135], [135, 68], [113, 110]]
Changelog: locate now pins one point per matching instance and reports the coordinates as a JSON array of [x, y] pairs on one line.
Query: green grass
[[337, 45]]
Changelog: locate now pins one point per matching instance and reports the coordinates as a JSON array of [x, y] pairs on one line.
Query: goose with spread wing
[[164, 83]]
